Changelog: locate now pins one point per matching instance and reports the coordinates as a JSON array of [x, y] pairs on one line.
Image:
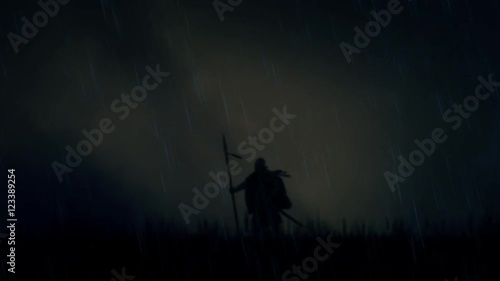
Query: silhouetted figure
[[265, 196]]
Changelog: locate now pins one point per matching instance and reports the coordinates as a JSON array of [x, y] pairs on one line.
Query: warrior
[[265, 197]]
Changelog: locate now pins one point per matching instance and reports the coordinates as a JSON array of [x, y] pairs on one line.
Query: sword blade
[[291, 218]]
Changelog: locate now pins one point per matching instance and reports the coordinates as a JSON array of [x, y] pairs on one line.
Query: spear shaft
[[226, 156]]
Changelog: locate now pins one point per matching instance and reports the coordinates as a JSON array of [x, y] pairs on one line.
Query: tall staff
[[226, 156]]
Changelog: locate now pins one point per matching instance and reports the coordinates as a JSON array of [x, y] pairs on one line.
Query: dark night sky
[[226, 77]]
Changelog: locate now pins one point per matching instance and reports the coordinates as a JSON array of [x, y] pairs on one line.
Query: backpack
[[279, 197], [266, 190]]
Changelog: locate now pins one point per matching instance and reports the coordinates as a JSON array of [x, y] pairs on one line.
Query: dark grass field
[[161, 252]]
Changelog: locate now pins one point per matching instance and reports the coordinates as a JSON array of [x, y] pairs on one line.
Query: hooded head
[[260, 165]]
